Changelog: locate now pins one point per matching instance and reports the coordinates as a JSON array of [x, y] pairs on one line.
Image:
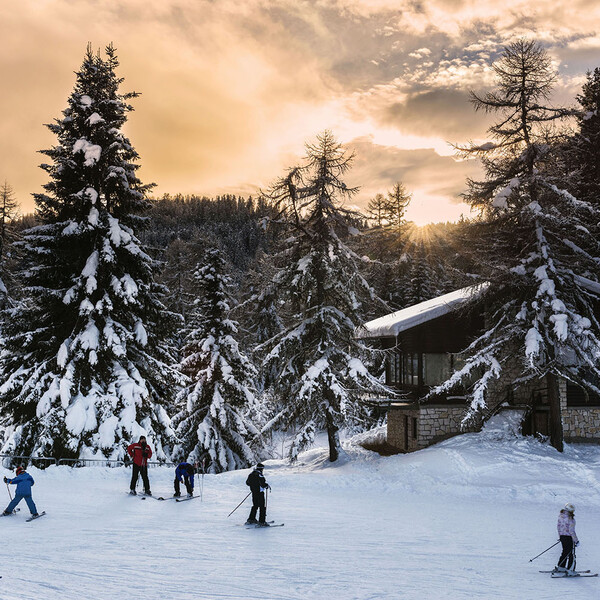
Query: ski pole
[[9, 494], [544, 552], [242, 502]]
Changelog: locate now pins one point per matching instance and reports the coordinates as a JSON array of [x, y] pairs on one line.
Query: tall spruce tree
[[85, 356], [9, 208], [421, 281], [321, 377], [533, 244], [214, 418], [583, 149]]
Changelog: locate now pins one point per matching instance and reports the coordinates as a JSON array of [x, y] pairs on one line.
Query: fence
[[10, 461]]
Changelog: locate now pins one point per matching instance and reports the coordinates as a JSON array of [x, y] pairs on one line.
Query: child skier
[[568, 537], [258, 485], [23, 481], [185, 472], [140, 453]]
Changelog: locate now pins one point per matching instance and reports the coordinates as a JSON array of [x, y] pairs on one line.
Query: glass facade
[[412, 369]]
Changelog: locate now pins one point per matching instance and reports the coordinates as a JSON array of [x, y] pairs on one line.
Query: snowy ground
[[456, 521]]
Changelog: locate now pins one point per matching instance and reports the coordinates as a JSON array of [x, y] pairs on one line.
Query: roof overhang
[[389, 326]]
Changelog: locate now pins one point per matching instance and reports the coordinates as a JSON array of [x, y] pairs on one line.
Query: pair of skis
[[561, 574], [259, 526], [161, 498], [32, 518]]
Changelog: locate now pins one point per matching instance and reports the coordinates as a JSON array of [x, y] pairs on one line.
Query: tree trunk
[[334, 440], [556, 428]]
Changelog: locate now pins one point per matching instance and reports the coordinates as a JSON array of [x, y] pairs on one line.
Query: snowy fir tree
[[9, 209], [214, 418], [533, 244], [321, 377], [583, 149], [85, 356], [421, 280]]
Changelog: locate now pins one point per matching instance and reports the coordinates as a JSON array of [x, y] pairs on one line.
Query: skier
[[258, 485], [185, 472], [140, 453], [568, 537], [23, 481]]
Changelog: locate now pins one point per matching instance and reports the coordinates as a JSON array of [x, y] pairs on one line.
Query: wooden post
[[556, 427]]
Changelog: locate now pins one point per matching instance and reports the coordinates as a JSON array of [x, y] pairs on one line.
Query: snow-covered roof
[[407, 318]]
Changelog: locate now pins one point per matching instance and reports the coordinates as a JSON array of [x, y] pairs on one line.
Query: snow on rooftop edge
[[407, 318]]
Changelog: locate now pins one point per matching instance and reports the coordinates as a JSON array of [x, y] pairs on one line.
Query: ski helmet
[[260, 467], [20, 470], [569, 507]]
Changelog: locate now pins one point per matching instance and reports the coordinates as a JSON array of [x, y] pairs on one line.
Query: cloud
[[231, 90], [435, 181], [442, 112]]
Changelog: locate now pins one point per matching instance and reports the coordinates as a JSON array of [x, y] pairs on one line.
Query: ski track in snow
[[453, 522]]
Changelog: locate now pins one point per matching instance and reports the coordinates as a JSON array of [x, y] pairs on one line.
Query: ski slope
[[456, 521]]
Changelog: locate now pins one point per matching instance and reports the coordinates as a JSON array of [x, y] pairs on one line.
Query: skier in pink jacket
[[568, 537]]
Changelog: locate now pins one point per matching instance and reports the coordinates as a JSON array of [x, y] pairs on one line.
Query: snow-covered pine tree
[[214, 418], [321, 377], [583, 149], [85, 356], [9, 209], [421, 280], [533, 244]]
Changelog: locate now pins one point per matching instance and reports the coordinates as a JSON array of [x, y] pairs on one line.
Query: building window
[[415, 428], [410, 369], [394, 369], [437, 368]]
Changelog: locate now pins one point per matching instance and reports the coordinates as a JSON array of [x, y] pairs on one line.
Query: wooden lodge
[[424, 341]]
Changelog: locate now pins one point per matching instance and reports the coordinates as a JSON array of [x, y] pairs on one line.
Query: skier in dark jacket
[[23, 481], [258, 486], [140, 453], [185, 472]]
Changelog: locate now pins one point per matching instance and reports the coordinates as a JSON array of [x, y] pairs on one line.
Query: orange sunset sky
[[231, 90]]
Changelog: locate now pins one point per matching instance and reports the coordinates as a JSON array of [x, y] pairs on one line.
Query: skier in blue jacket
[[23, 481], [186, 472]]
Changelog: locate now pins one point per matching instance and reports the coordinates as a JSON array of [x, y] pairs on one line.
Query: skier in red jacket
[[140, 453]]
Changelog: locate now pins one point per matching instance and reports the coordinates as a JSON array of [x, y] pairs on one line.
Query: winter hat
[[260, 467], [20, 470], [569, 507]]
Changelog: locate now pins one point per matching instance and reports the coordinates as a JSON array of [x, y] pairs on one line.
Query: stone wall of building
[[438, 422], [581, 424], [433, 424], [397, 420]]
